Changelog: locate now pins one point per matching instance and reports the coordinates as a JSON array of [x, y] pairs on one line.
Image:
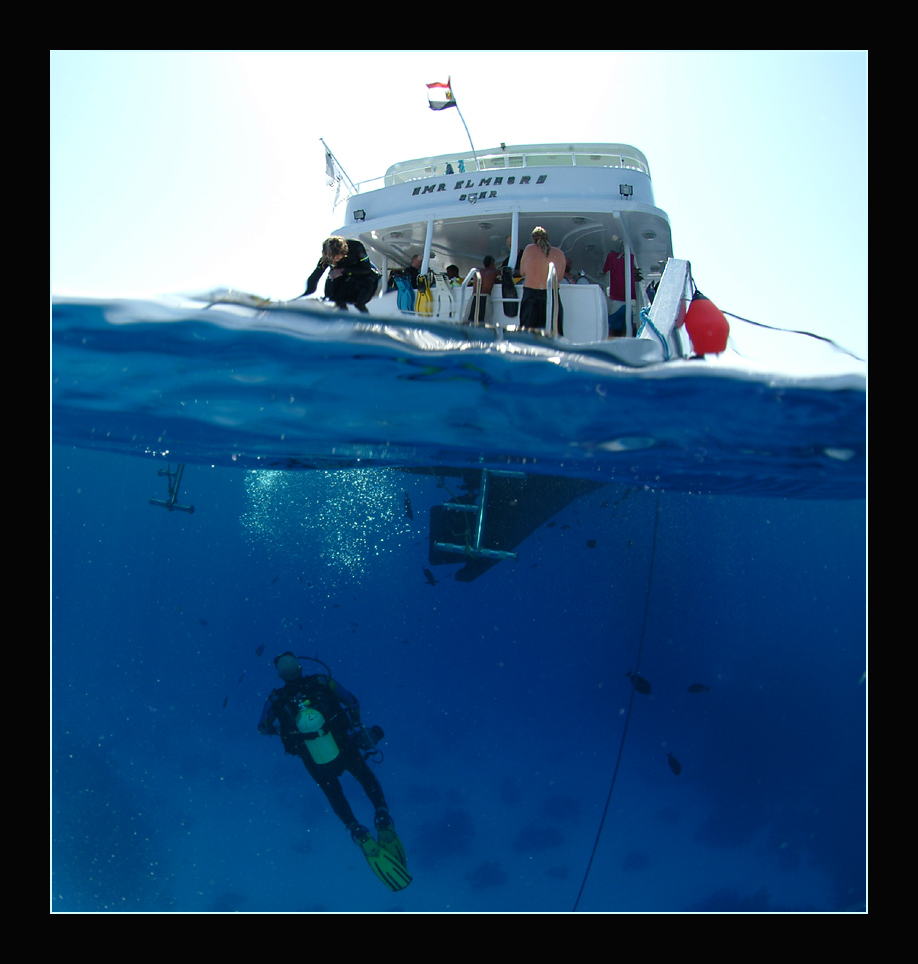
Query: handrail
[[509, 159], [552, 300], [473, 275], [494, 161], [516, 158], [667, 313]]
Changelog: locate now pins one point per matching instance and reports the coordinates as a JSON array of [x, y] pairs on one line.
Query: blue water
[[503, 699]]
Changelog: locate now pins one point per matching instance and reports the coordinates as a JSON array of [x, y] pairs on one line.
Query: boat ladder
[[175, 481], [473, 546]]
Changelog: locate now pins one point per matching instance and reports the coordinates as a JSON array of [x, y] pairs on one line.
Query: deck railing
[[465, 163], [552, 300], [473, 276]]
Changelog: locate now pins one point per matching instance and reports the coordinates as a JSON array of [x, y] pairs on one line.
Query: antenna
[[335, 172]]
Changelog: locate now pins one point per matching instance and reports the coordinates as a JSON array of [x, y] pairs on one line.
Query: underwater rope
[[637, 669]]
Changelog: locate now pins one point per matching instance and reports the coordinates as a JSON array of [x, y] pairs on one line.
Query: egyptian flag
[[440, 96]]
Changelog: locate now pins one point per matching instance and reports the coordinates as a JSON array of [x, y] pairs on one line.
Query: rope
[[795, 331], [645, 320], [621, 747]]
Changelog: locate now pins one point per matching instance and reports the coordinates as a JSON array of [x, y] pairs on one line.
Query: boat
[[455, 209], [306, 412]]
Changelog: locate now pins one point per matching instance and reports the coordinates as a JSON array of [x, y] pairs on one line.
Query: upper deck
[[521, 156], [533, 177]]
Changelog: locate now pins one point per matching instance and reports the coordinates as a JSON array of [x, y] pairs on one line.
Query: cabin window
[[550, 160], [598, 160]]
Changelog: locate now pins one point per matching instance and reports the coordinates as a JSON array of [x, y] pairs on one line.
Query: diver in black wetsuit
[[317, 719], [353, 278]]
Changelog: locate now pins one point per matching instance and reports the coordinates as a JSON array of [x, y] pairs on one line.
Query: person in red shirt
[[615, 268]]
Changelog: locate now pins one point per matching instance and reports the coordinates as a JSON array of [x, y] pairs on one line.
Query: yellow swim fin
[[391, 871], [388, 840]]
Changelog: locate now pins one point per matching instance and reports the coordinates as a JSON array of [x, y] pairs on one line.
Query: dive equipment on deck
[[424, 304]]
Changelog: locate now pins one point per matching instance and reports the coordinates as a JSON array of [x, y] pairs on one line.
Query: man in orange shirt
[[534, 268]]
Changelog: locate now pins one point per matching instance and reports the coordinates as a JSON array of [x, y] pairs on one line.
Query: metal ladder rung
[[475, 553], [477, 509]]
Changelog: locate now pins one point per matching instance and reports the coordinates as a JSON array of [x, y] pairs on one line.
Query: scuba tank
[[323, 748]]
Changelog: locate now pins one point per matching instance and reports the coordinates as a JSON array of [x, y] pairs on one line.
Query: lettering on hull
[[485, 182]]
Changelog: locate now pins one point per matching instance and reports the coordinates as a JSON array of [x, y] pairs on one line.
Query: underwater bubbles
[[331, 523]]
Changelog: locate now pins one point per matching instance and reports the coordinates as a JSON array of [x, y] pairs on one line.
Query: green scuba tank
[[323, 748]]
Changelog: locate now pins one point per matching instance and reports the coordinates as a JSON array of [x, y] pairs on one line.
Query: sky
[[178, 172]]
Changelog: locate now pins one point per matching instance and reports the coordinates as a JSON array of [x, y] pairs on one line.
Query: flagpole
[[466, 126], [342, 170]]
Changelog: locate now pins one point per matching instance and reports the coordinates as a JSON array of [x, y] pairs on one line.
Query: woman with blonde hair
[[534, 268], [353, 278]]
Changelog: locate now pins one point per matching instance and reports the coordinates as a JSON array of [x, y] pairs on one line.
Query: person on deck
[[615, 269], [534, 268], [353, 278], [489, 274]]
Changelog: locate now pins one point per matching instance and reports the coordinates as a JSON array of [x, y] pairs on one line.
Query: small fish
[[274, 580], [260, 650], [591, 543], [674, 764], [639, 683], [241, 678], [698, 688], [408, 510], [224, 703], [429, 576], [203, 622]]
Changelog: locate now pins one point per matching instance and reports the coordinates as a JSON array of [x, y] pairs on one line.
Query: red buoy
[[707, 326]]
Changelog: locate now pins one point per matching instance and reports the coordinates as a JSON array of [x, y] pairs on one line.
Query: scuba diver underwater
[[318, 720]]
